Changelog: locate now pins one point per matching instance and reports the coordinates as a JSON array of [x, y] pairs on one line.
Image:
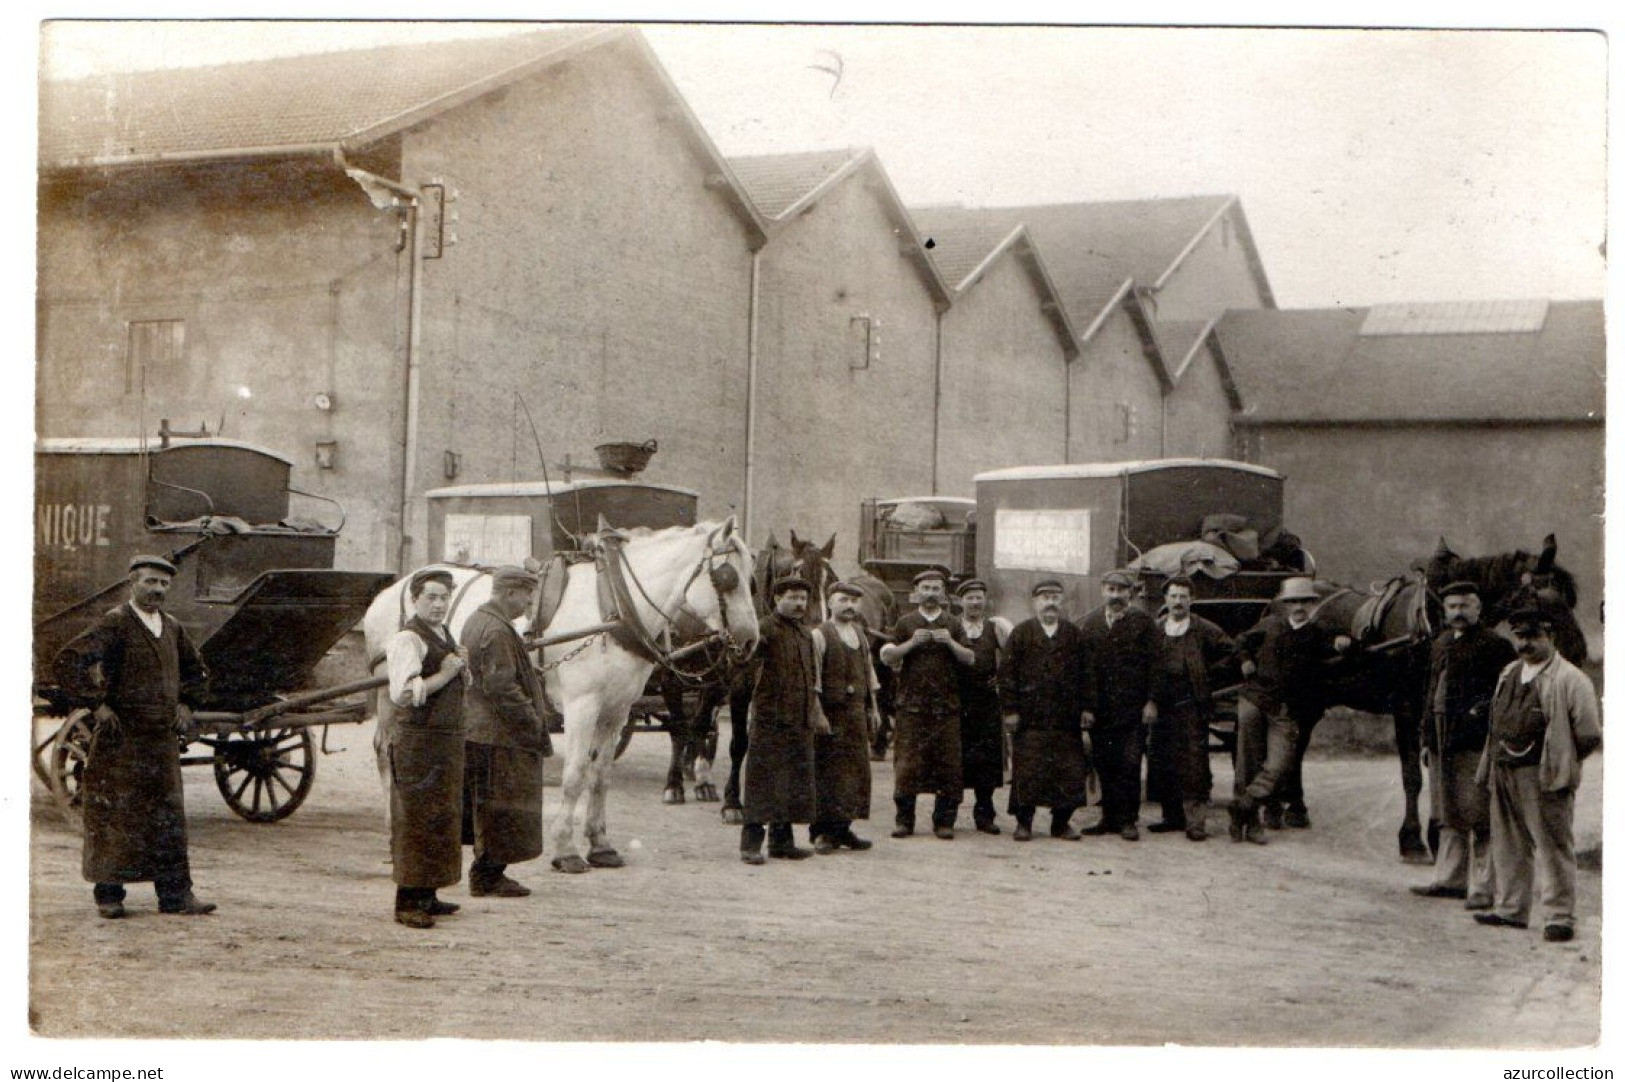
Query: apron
[[843, 757], [426, 768]]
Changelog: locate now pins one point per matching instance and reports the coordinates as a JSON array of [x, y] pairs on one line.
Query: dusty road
[[1312, 940]]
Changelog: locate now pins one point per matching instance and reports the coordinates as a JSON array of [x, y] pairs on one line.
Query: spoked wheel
[[266, 774], [70, 751]]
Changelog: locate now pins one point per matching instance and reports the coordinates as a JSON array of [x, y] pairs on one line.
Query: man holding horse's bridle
[[1466, 660]]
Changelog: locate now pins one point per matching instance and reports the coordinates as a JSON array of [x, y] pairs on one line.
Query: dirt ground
[[1312, 940]]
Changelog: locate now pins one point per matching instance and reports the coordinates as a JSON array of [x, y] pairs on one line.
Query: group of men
[[1505, 727], [465, 748]]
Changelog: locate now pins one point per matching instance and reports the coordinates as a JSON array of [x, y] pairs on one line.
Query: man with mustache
[[1282, 658], [981, 727], [927, 649], [1544, 719], [1189, 650], [1120, 648], [1043, 680], [1466, 661], [846, 690], [136, 669], [780, 786]]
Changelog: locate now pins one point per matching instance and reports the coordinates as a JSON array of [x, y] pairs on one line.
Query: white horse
[[700, 574]]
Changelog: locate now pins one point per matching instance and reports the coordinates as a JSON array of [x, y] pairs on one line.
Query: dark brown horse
[[1393, 630]]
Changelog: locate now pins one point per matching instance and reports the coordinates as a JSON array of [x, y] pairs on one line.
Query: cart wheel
[[70, 751], [42, 749], [265, 775]]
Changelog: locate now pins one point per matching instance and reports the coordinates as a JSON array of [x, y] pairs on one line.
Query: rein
[[659, 646]]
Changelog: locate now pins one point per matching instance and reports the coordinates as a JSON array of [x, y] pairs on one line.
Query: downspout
[[1066, 397], [414, 329], [936, 405], [751, 360]]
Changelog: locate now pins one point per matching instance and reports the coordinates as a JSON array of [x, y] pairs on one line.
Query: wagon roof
[[956, 500], [132, 445], [542, 488], [1080, 470]]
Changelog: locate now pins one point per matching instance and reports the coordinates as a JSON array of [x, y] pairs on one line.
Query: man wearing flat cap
[[505, 739], [981, 725], [927, 650], [1465, 663], [136, 670], [1190, 652], [1283, 658], [847, 685], [1120, 648], [1544, 719], [780, 786], [1043, 680]]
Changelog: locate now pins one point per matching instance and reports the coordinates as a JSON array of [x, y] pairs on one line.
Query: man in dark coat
[[505, 740], [927, 649], [1043, 680], [1189, 650], [780, 789], [1466, 661], [1120, 645], [846, 691], [137, 671], [1283, 658], [427, 677], [981, 728]]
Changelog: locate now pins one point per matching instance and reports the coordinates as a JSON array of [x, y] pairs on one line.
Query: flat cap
[[432, 574], [847, 588], [1530, 618], [512, 576], [1463, 588], [1048, 586], [970, 584], [152, 561], [931, 573], [790, 582], [1117, 578]]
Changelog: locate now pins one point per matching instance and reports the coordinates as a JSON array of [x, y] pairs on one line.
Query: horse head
[[812, 563], [719, 591], [1513, 580]]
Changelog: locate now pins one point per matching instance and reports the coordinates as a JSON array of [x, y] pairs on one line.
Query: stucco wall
[[596, 273], [1197, 412], [1370, 502], [1116, 398], [829, 433], [1003, 380], [288, 283]]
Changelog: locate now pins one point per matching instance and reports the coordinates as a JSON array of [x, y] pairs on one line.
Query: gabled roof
[[1312, 366], [1181, 342], [781, 187], [292, 103], [778, 182], [964, 243]]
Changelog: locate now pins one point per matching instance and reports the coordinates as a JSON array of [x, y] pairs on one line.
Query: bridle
[[724, 578]]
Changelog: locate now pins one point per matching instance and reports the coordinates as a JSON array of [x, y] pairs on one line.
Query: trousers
[[1266, 745], [1531, 831]]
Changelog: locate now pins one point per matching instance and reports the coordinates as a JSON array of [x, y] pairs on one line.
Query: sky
[[1373, 165]]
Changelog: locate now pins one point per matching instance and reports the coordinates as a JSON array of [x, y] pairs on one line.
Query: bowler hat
[[1298, 589], [152, 561]]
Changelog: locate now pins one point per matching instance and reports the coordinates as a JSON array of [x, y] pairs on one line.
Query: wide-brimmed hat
[[1298, 589]]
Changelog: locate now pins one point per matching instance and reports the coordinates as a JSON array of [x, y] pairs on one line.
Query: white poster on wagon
[[1056, 541], [489, 540]]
